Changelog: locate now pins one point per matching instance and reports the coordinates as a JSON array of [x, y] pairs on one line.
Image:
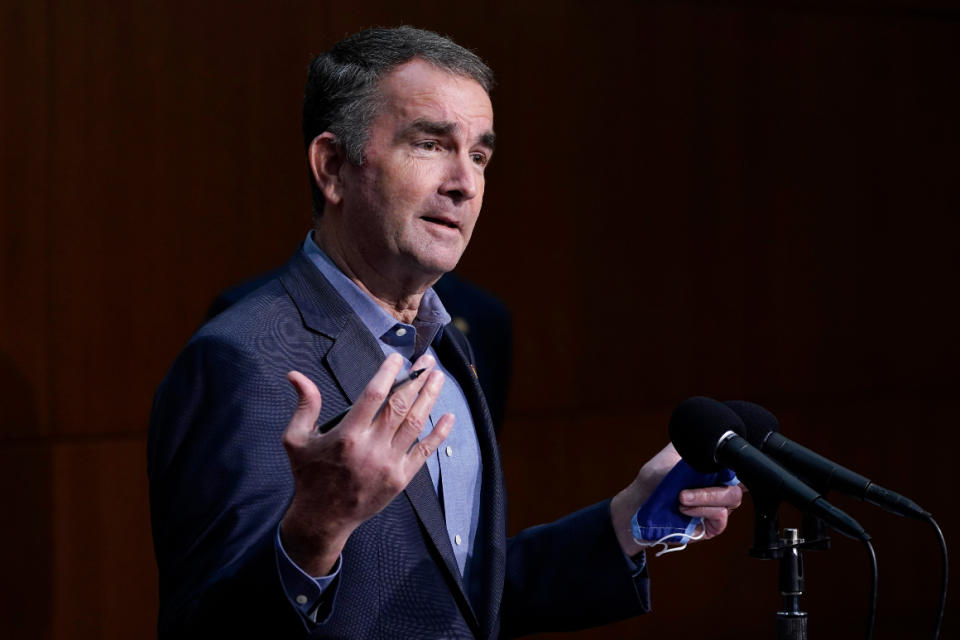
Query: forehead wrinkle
[[418, 101]]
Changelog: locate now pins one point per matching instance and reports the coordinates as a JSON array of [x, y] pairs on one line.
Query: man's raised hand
[[347, 475]]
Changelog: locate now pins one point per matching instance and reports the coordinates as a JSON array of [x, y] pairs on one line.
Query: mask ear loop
[[668, 549]]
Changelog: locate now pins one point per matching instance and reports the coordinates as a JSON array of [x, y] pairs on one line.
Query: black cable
[[872, 613], [943, 583]]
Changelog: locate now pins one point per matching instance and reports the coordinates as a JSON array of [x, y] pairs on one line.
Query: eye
[[479, 159], [428, 145]]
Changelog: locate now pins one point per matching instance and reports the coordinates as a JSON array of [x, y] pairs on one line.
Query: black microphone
[[763, 432], [707, 434]]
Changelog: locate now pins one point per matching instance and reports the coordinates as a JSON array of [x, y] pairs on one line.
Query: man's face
[[409, 210]]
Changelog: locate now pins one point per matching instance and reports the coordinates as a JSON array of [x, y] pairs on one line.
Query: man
[[266, 526]]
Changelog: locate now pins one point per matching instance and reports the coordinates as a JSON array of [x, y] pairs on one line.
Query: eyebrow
[[435, 128], [489, 139]]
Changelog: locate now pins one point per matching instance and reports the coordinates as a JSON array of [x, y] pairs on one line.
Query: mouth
[[444, 222]]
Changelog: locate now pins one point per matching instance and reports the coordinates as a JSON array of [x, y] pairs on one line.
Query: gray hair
[[342, 97]]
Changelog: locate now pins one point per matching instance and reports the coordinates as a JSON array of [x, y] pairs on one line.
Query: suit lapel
[[353, 359], [355, 354], [423, 499]]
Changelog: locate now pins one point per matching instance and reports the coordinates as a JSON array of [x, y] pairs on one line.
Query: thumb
[[659, 465], [304, 419]]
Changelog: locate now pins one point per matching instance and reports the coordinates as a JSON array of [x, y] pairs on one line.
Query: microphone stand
[[766, 526], [791, 621], [768, 544]]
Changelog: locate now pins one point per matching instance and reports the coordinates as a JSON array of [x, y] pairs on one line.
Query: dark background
[[723, 199]]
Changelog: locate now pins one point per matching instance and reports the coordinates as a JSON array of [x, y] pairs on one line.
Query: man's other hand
[[713, 504]]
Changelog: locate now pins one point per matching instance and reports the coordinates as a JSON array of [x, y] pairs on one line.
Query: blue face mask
[[659, 520]]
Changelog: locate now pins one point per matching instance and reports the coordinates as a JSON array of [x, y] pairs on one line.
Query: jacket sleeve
[[571, 574], [219, 484]]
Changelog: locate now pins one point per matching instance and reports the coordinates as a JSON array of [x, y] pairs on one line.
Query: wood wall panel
[[161, 185], [24, 228], [105, 584], [26, 540]]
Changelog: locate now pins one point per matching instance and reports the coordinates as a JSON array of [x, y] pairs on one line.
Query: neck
[[400, 297]]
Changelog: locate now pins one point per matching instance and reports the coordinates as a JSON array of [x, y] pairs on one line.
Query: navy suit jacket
[[220, 483]]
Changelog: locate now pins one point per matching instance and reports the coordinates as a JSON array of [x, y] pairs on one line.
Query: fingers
[[714, 521], [711, 513], [376, 391], [415, 419], [426, 447], [308, 410], [396, 419], [400, 403], [724, 497], [713, 504]]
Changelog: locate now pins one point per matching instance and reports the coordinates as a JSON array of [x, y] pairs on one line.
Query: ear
[[326, 159]]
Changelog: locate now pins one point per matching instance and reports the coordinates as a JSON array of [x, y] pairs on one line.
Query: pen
[[334, 421]]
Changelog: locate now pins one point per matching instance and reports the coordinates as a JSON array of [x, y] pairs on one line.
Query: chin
[[435, 270], [437, 263]]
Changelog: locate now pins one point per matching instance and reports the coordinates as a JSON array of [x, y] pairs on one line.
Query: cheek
[[469, 225], [420, 180], [477, 202], [408, 184]]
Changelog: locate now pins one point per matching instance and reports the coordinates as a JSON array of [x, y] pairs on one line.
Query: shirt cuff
[[303, 591], [637, 563]]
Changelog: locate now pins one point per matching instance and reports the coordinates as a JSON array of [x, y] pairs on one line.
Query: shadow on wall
[[26, 473]]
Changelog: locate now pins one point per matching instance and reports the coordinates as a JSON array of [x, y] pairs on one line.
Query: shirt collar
[[431, 316]]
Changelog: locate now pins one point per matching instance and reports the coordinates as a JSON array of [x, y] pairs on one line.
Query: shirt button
[[301, 599], [401, 332], [449, 451], [457, 539]]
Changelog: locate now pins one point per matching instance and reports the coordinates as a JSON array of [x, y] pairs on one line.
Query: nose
[[463, 180]]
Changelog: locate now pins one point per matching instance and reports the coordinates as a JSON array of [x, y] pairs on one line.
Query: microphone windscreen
[[758, 423], [696, 427]]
